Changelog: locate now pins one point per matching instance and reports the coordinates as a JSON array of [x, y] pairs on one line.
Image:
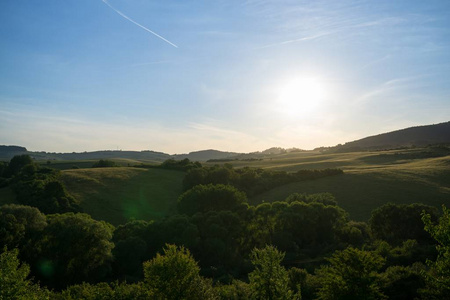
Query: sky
[[243, 76]]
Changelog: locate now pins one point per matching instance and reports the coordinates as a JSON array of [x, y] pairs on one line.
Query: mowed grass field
[[117, 195], [370, 179]]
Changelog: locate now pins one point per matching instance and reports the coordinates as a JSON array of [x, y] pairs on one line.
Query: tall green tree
[[175, 275], [438, 277], [269, 280], [396, 223], [19, 225], [75, 248], [352, 274], [18, 162], [13, 279], [203, 198]]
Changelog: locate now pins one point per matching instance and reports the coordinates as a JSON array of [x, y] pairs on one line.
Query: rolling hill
[[412, 136], [117, 195], [371, 178], [147, 156]]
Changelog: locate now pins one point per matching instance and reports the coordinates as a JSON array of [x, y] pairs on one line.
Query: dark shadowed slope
[[205, 155], [413, 136]]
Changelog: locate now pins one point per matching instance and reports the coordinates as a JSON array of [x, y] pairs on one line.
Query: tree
[[438, 277], [104, 163], [75, 248], [18, 162], [269, 280], [352, 274], [235, 290], [399, 282], [175, 275], [204, 198], [19, 224], [13, 279], [396, 223]]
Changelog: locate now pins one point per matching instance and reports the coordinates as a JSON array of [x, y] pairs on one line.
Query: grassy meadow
[[370, 179], [117, 195]]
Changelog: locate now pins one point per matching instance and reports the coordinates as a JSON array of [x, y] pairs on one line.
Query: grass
[[117, 195], [371, 179]]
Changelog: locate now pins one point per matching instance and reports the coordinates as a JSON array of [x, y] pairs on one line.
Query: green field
[[120, 194], [371, 179]]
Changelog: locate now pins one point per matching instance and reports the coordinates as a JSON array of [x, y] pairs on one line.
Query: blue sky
[[77, 75]]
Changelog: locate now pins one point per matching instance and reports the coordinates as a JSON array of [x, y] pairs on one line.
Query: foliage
[[283, 225], [324, 198], [222, 233], [128, 257], [438, 278], [17, 163], [250, 180], [269, 280], [352, 274], [74, 248], [39, 187], [204, 198], [13, 279], [19, 224], [180, 165], [235, 290], [175, 275], [399, 282], [103, 291], [105, 163], [355, 233], [395, 223]]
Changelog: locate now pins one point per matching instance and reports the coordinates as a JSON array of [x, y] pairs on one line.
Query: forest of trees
[[217, 245]]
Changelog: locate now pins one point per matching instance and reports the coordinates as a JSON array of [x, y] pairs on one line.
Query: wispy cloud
[[303, 39], [390, 86], [136, 23]]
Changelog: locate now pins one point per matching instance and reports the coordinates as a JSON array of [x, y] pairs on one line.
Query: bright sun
[[300, 97]]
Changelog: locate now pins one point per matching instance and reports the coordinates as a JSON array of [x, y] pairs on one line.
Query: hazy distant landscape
[[140, 192]]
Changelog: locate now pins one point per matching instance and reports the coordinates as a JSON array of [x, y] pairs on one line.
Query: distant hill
[[205, 155], [412, 136], [8, 152]]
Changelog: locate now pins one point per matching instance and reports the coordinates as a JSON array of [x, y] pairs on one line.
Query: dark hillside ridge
[[205, 155], [412, 136], [7, 152]]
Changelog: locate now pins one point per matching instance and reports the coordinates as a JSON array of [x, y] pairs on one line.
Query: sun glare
[[300, 97]]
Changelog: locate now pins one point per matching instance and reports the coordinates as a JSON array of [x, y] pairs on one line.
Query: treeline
[[37, 186], [250, 180]]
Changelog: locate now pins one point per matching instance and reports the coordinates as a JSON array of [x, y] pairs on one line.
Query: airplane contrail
[[136, 23]]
